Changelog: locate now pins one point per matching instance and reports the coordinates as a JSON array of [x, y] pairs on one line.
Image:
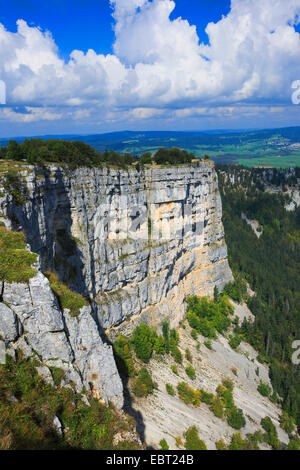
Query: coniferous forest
[[271, 266]]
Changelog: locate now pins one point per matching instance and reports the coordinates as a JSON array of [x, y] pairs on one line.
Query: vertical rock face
[[31, 320], [135, 242]]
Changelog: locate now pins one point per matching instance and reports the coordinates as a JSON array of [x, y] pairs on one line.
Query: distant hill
[[268, 147]]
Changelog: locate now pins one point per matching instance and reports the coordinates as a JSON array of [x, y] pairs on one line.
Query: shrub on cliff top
[[173, 156], [77, 153], [13, 185], [73, 154], [15, 261]]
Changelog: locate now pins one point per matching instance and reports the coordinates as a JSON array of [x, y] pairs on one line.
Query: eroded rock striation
[[99, 229], [31, 320], [133, 242]]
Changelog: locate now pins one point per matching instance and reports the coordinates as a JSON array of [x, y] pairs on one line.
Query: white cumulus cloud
[[252, 57]]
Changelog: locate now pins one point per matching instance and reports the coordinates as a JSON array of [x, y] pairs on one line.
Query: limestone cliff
[[32, 321], [135, 243], [99, 229]]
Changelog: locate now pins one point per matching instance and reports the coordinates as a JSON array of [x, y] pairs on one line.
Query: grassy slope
[[28, 406]]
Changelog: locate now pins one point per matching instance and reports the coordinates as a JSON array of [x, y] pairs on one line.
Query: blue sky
[[150, 65], [65, 17]]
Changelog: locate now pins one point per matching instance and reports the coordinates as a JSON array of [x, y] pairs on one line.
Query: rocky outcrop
[[32, 321], [135, 242]]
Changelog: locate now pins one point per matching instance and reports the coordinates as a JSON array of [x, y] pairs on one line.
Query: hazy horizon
[[200, 131], [148, 64]]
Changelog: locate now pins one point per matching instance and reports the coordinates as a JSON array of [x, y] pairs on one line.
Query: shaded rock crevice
[[38, 327], [71, 218]]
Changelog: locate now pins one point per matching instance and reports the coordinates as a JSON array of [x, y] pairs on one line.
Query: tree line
[[271, 265], [77, 153]]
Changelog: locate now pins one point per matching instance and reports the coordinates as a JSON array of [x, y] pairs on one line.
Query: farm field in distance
[[248, 150], [272, 147]]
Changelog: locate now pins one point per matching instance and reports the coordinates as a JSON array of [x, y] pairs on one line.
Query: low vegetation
[[145, 341], [192, 441], [123, 356], [234, 415], [143, 385], [264, 389], [270, 265], [77, 153], [221, 445], [234, 341], [188, 394], [28, 406], [235, 418], [252, 441], [220, 404], [163, 444], [188, 355], [164, 156], [190, 371], [287, 423], [67, 298], [13, 184], [170, 389], [294, 444], [128, 361], [236, 289], [208, 344], [209, 317], [240, 443], [15, 261], [270, 436]]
